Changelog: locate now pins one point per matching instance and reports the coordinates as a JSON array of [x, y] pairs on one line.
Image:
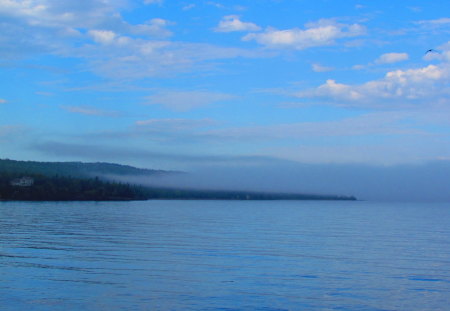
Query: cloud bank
[[427, 85], [322, 33]]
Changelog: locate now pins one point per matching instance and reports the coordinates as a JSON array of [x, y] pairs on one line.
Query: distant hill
[[75, 169], [77, 181]]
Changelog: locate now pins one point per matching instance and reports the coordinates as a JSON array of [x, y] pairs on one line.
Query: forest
[[76, 181]]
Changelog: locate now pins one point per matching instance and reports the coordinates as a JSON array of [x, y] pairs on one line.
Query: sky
[[181, 84]]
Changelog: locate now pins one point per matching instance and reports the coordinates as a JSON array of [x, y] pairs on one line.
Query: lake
[[224, 255]]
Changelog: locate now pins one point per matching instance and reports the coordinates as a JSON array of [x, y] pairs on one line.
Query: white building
[[22, 182]]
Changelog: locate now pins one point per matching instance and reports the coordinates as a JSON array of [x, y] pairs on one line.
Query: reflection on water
[[221, 255]]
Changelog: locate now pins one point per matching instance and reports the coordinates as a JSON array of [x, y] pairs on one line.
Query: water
[[224, 255]]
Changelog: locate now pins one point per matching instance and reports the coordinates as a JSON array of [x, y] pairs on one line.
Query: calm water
[[221, 255]]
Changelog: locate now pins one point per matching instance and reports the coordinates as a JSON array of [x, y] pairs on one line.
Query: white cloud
[[445, 21], [186, 100], [155, 27], [420, 87], [442, 53], [103, 36], [322, 33], [387, 58], [334, 90], [320, 68], [216, 4], [3, 101], [135, 58], [390, 58], [232, 23], [58, 27], [439, 26], [358, 67], [62, 14], [117, 50], [427, 85]]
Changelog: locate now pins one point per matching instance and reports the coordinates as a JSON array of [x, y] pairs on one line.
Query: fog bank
[[412, 182]]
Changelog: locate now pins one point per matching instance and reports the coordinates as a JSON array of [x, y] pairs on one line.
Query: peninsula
[[77, 181]]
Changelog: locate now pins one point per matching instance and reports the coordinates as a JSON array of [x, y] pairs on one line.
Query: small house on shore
[[22, 182]]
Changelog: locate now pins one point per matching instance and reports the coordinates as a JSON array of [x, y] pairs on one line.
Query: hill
[[77, 181], [74, 169]]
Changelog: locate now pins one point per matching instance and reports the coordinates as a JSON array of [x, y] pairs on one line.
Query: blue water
[[224, 255]]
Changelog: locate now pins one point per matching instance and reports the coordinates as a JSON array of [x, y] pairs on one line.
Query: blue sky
[[176, 84]]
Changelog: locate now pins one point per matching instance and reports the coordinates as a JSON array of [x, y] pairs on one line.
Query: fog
[[428, 181], [412, 182]]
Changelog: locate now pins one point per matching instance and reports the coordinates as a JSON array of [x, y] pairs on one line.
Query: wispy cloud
[[42, 93], [320, 68], [57, 13], [175, 124], [155, 27], [136, 58], [390, 58], [435, 23], [189, 6], [368, 124], [95, 33], [209, 131], [108, 153], [321, 33], [186, 100], [415, 9], [216, 4], [400, 137], [153, 1], [384, 59], [232, 23], [57, 27], [8, 132], [3, 101], [90, 111]]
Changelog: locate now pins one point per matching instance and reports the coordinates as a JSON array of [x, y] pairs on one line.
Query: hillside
[[77, 181], [74, 169]]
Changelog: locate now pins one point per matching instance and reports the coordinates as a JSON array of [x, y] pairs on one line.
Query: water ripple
[[219, 255]]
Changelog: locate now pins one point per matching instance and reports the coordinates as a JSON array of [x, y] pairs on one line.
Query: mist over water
[[412, 182]]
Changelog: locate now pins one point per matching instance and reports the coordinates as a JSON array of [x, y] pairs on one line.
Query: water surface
[[224, 255]]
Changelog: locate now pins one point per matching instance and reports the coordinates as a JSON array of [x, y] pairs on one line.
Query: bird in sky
[[431, 51]]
